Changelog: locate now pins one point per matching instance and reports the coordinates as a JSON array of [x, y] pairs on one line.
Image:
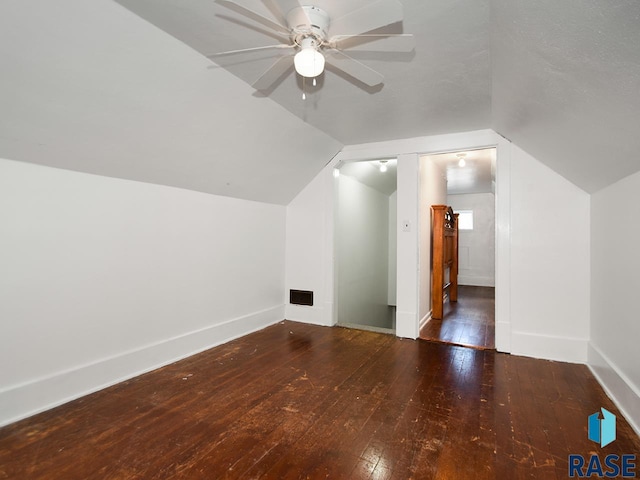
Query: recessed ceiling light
[[383, 166]]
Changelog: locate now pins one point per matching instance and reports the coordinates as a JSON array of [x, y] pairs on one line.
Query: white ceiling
[[368, 173], [566, 84], [95, 87], [476, 176], [443, 86], [89, 86]]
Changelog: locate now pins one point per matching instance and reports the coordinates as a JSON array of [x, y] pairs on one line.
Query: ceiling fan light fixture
[[304, 31], [309, 62]]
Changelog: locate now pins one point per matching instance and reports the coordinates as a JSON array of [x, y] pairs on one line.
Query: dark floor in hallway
[[298, 401], [469, 322]]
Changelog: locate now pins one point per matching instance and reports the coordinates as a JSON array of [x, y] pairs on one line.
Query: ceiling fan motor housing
[[308, 21]]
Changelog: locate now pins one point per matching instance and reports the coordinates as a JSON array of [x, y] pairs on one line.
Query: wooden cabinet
[[444, 255]]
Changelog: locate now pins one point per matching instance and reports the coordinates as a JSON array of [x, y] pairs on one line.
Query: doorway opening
[[469, 178], [365, 244]]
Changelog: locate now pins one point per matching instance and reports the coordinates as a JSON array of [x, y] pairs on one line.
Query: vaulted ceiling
[[125, 90]]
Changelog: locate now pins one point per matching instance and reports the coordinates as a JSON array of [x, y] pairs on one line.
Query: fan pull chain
[[304, 84]]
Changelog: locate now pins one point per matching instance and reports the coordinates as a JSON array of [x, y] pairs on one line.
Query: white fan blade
[[352, 67], [375, 15], [244, 50], [274, 72], [276, 11], [253, 16], [375, 43]]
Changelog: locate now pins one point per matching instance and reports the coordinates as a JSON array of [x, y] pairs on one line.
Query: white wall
[[615, 262], [407, 290], [476, 248], [542, 272], [310, 247], [549, 262], [104, 278], [393, 248], [310, 226], [362, 248], [433, 191]]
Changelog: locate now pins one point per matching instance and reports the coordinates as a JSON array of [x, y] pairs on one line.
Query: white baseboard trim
[[503, 337], [476, 281], [563, 349], [305, 314], [37, 395], [617, 385], [407, 325]]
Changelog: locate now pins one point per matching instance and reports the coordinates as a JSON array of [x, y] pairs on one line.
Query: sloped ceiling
[[89, 86], [128, 92], [443, 86], [566, 84]]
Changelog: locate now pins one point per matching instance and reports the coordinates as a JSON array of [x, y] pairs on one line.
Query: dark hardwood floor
[[301, 401], [469, 322]]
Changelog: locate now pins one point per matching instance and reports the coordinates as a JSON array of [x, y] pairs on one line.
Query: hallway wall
[[393, 249], [362, 250], [477, 264]]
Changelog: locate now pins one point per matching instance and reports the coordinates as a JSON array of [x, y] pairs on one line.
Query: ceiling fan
[[309, 33]]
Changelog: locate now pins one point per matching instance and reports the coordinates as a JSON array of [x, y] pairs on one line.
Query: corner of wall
[[309, 249]]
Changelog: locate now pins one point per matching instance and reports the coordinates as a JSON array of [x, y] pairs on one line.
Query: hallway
[[469, 322]]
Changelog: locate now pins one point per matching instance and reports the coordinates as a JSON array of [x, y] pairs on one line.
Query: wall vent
[[301, 297]]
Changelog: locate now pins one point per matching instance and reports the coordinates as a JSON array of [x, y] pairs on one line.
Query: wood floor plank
[[301, 401], [468, 322]]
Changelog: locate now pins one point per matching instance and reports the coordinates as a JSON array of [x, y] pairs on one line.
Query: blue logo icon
[[602, 427], [602, 430]]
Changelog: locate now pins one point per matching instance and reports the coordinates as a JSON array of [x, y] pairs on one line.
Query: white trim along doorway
[[407, 152]]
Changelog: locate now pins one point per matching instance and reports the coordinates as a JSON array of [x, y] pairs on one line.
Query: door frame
[[408, 151]]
